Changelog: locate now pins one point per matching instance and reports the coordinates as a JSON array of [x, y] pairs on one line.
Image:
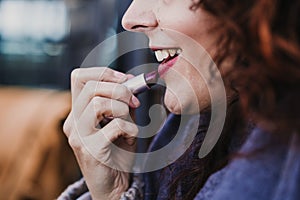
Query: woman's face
[[176, 35]]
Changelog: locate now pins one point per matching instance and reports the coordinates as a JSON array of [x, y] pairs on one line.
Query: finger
[[80, 76], [120, 128], [113, 131], [103, 89], [129, 76], [98, 109], [67, 127], [103, 145]]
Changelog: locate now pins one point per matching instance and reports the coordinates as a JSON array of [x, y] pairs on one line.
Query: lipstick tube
[[136, 85], [141, 82]]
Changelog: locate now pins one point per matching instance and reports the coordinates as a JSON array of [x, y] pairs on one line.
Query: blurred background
[[41, 42]]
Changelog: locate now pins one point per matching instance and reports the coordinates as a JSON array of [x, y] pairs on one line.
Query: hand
[[97, 94]]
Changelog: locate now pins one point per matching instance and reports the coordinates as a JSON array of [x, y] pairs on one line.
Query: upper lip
[[166, 52]]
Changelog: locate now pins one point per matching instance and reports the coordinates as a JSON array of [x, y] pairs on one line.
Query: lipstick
[[142, 82]]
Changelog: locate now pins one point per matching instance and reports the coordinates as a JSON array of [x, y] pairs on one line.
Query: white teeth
[[165, 53], [172, 52], [159, 56]]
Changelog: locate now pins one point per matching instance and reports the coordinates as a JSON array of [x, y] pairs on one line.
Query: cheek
[[182, 25], [177, 16], [193, 25]]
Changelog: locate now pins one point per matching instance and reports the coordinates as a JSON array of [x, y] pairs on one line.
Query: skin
[[97, 92], [186, 90]]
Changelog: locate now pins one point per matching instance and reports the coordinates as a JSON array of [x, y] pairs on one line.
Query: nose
[[139, 17]]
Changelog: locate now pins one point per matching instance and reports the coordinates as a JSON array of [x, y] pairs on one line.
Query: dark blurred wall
[[42, 41]]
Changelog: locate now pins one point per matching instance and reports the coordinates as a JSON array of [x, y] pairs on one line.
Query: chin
[[172, 103], [180, 106], [172, 106], [178, 110], [174, 110]]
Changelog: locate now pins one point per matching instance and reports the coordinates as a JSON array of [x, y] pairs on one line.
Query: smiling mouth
[[164, 55]]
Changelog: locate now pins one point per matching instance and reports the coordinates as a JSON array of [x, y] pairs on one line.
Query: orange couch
[[36, 161]]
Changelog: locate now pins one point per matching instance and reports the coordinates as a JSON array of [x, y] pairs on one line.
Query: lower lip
[[164, 67]]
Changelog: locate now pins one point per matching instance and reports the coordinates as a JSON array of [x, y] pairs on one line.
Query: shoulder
[[267, 169]]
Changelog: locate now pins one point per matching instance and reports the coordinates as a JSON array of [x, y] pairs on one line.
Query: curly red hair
[[264, 38]]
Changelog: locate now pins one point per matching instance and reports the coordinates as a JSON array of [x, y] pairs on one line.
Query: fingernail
[[135, 101], [120, 75]]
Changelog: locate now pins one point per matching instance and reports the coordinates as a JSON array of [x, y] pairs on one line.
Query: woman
[[250, 42]]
